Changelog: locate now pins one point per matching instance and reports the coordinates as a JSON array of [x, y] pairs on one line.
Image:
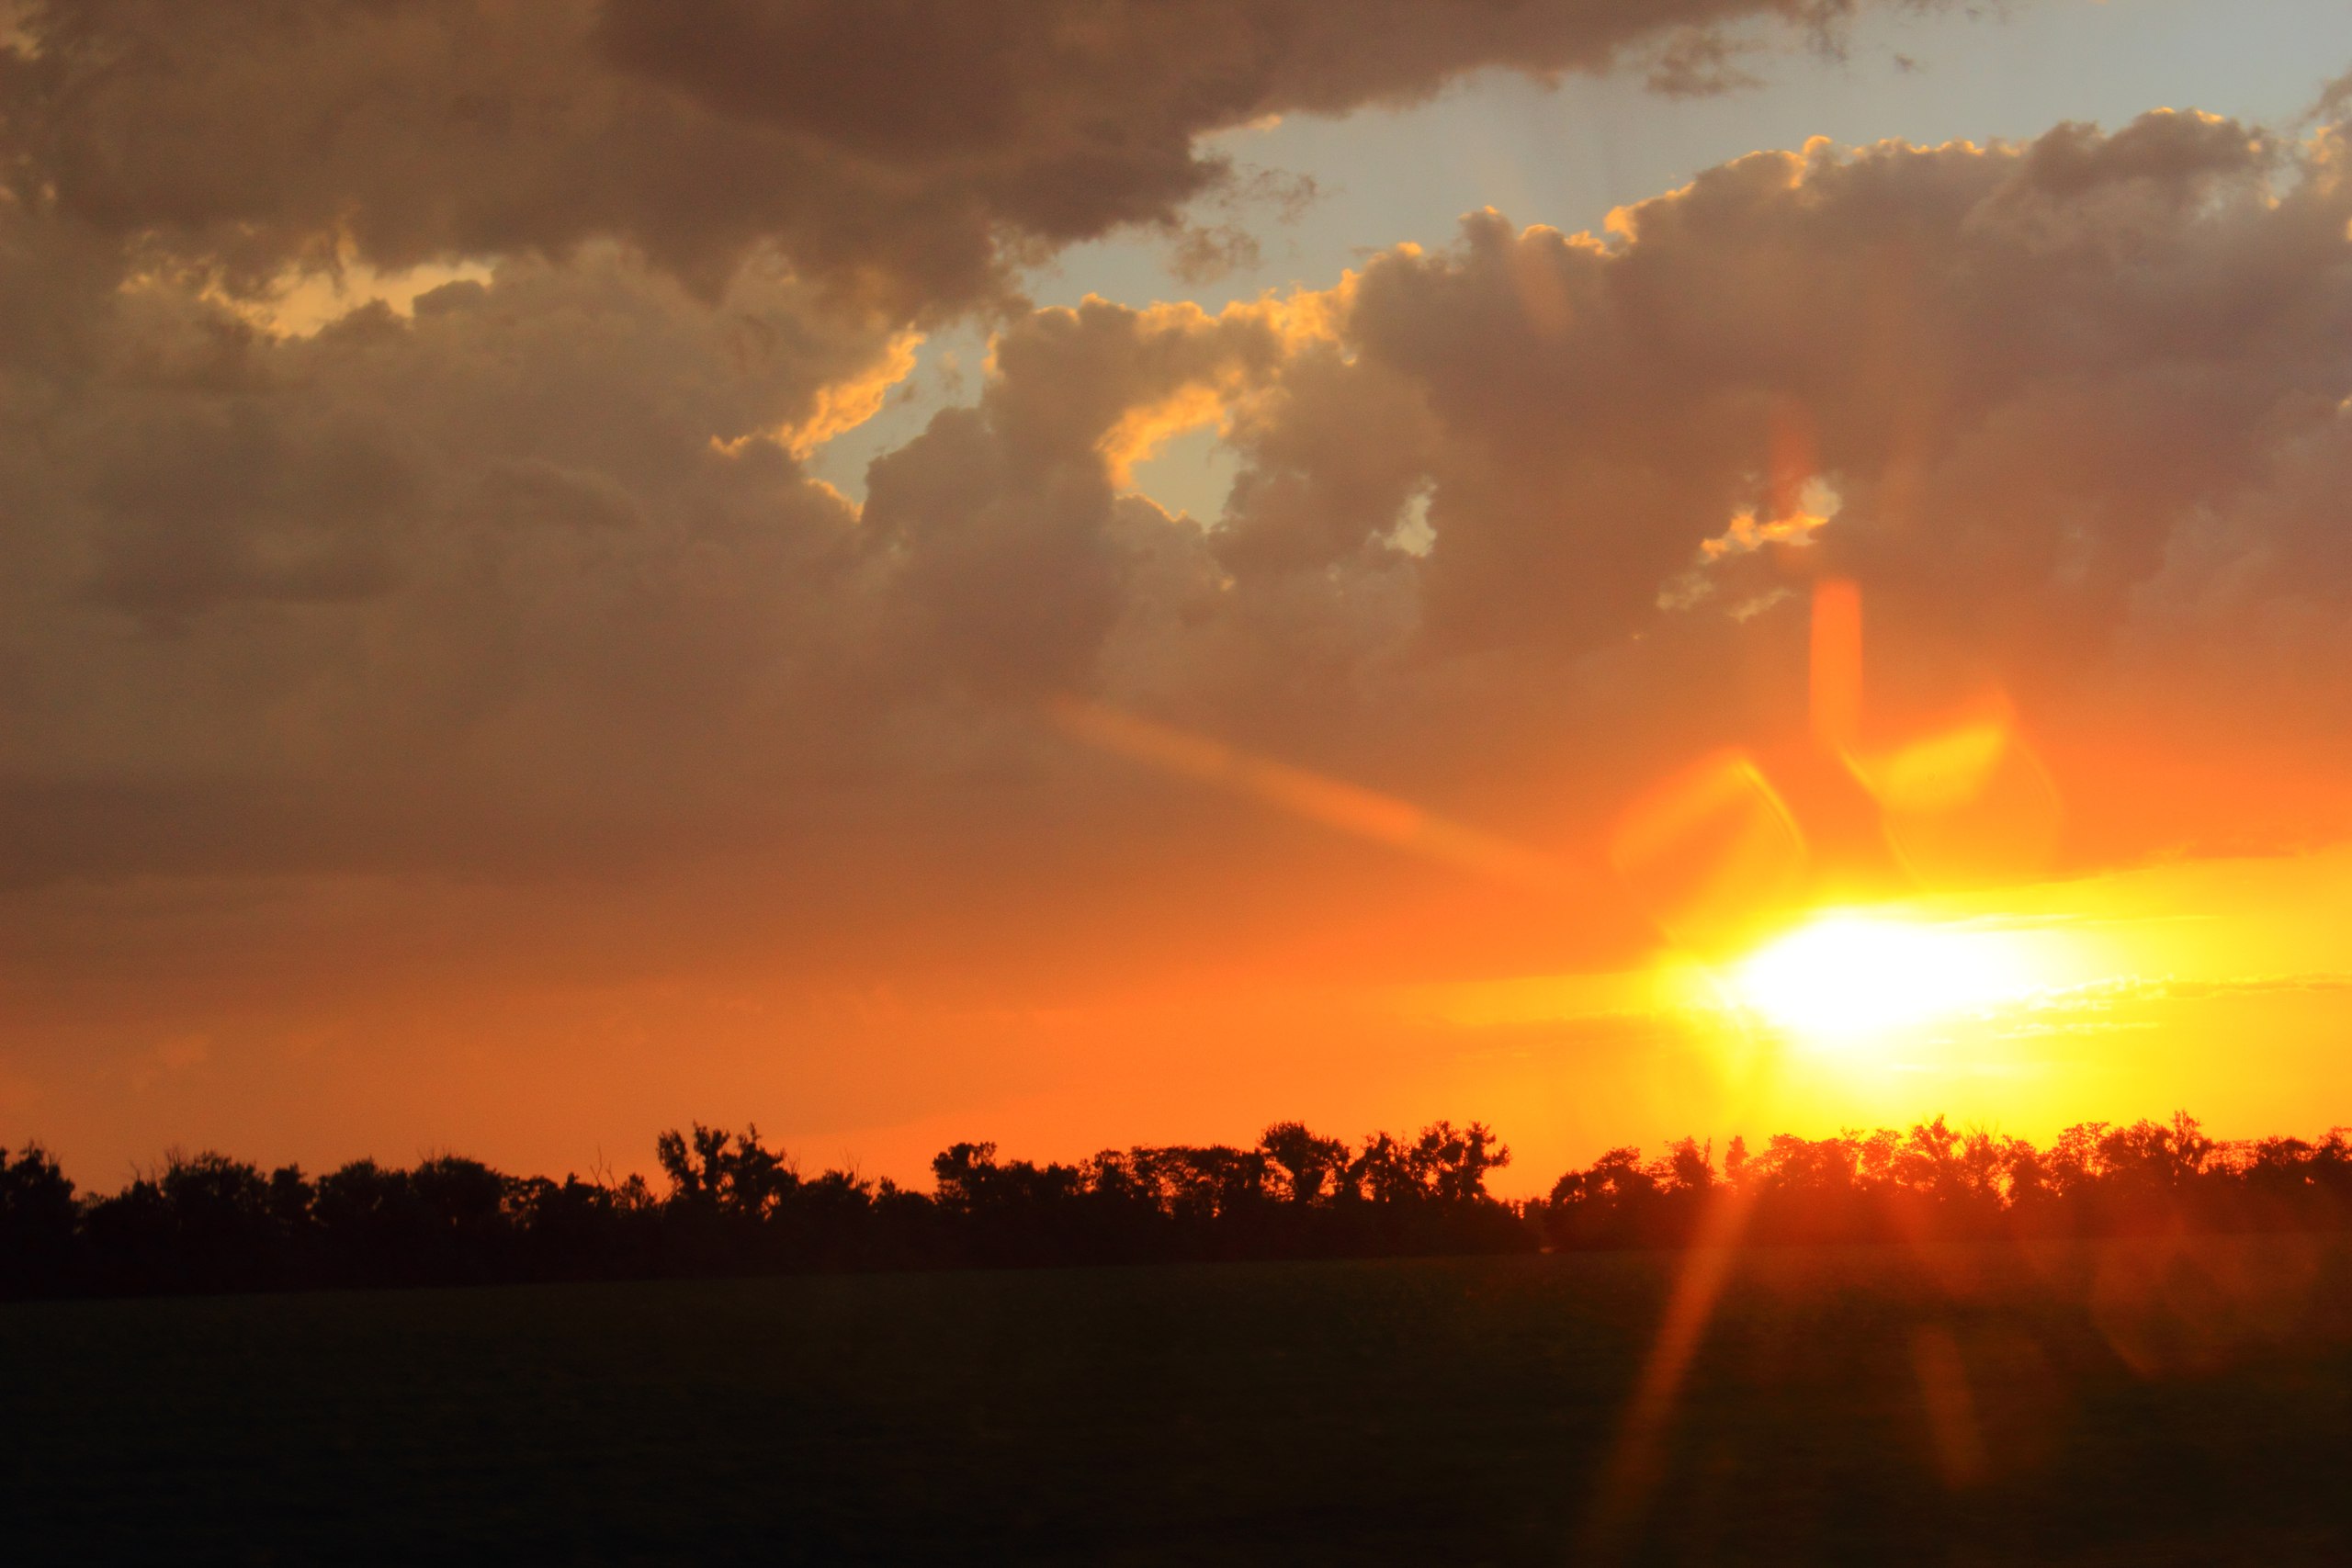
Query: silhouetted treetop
[[734, 1204]]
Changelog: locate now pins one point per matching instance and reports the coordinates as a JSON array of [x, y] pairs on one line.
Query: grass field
[[2141, 1403]]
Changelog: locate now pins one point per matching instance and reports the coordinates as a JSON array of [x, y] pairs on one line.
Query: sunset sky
[[1084, 573]]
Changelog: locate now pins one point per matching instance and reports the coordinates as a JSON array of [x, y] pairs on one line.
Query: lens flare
[[1847, 980], [1334, 803]]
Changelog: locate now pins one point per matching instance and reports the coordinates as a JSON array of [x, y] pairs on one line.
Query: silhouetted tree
[[1451, 1165], [734, 1204], [37, 1223], [1385, 1173], [1311, 1167]]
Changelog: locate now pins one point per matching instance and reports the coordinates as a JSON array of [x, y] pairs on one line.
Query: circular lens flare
[[1849, 979]]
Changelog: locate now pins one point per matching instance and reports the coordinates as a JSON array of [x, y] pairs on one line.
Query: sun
[[1846, 980]]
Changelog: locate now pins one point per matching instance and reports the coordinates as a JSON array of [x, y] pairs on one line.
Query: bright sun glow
[[1847, 979]]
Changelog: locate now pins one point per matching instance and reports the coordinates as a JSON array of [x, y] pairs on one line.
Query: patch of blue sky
[[1568, 154], [947, 374]]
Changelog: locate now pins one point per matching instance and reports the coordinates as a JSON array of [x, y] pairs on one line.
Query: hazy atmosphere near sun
[[1081, 574]]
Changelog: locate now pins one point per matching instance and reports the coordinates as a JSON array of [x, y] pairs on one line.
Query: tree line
[[734, 1206]]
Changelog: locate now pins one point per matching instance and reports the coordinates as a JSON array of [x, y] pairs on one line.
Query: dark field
[[2129, 1402]]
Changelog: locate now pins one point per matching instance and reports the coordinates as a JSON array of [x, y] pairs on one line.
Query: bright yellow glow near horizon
[[2219, 987], [1846, 981]]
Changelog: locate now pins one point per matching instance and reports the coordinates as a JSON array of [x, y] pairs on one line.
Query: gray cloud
[[542, 553], [546, 532], [2080, 400], [903, 153]]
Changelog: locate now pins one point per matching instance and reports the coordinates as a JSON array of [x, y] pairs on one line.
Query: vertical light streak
[[1837, 664]]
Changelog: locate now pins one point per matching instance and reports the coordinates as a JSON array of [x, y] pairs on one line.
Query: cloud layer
[[543, 550], [905, 152]]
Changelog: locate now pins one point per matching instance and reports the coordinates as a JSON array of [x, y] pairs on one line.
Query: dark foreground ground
[[2135, 1403]]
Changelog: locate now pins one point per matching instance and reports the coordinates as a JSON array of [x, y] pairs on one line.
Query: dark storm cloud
[[904, 152]]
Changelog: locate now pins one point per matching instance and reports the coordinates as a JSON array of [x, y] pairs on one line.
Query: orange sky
[[2218, 984]]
